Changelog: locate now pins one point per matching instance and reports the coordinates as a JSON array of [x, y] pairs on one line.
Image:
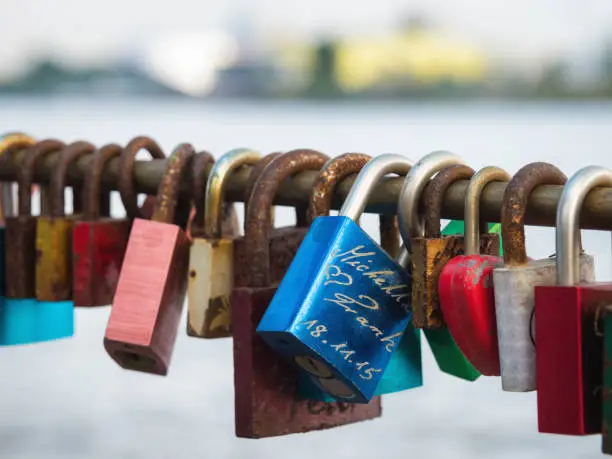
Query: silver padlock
[[514, 283]]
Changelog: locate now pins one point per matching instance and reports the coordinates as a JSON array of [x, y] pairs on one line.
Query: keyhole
[[313, 366]]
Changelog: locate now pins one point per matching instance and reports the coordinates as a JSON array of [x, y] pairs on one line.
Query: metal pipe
[[596, 212]]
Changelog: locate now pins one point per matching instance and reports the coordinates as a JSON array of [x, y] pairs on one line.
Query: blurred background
[[389, 49], [502, 83]]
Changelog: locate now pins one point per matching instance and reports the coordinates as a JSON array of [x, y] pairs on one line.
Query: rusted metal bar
[[596, 214]]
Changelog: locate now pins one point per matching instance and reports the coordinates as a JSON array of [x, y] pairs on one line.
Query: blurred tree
[[324, 82], [606, 67], [553, 81]]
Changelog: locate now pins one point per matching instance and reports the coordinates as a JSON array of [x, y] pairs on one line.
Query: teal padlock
[[17, 311], [55, 312]]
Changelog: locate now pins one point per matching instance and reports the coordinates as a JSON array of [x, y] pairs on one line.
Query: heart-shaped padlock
[[466, 287]]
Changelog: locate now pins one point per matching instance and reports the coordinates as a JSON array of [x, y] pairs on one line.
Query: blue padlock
[[18, 314], [343, 306], [404, 370]]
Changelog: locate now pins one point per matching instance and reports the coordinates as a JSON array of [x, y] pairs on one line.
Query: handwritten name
[[357, 258], [367, 302]]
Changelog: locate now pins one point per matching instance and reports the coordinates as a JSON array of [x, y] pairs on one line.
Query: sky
[[82, 31]]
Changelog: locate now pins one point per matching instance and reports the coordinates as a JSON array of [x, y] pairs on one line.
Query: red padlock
[[151, 290], [98, 244], [466, 285], [569, 357], [266, 387]]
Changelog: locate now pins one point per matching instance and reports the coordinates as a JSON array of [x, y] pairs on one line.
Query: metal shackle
[[410, 222], [568, 215], [215, 186], [368, 178], [478, 183], [9, 142]]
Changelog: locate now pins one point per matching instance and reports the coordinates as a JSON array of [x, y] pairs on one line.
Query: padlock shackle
[[215, 186], [403, 256], [9, 142], [514, 207], [257, 220], [25, 175], [199, 178], [125, 180], [410, 222], [301, 216], [433, 196], [478, 183], [567, 230], [331, 174], [177, 167], [369, 178], [93, 180], [68, 154], [335, 171]]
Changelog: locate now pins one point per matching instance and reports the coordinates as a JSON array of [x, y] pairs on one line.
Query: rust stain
[[514, 207]]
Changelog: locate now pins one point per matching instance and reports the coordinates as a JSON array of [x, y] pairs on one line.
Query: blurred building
[[415, 56]]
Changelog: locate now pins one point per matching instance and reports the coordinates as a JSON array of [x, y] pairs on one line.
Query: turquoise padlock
[[17, 311]]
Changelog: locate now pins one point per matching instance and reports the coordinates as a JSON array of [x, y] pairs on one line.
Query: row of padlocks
[[324, 320]]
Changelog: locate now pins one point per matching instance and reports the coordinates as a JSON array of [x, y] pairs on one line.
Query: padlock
[[146, 310], [16, 316], [404, 370], [606, 390], [448, 356], [466, 286], [98, 244], [211, 258], [54, 233], [569, 358], [514, 282], [55, 309], [266, 387], [341, 277]]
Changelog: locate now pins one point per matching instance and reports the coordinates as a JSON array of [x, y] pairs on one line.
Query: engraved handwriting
[[342, 300], [360, 261], [338, 276], [365, 370]]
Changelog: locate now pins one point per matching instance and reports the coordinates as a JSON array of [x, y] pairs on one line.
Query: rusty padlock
[[98, 244], [211, 259], [569, 359], [55, 309], [266, 387], [466, 285], [146, 310], [515, 281], [404, 369], [448, 356], [54, 233], [431, 252]]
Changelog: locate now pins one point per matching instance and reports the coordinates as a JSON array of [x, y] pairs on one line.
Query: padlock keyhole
[[136, 361]]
